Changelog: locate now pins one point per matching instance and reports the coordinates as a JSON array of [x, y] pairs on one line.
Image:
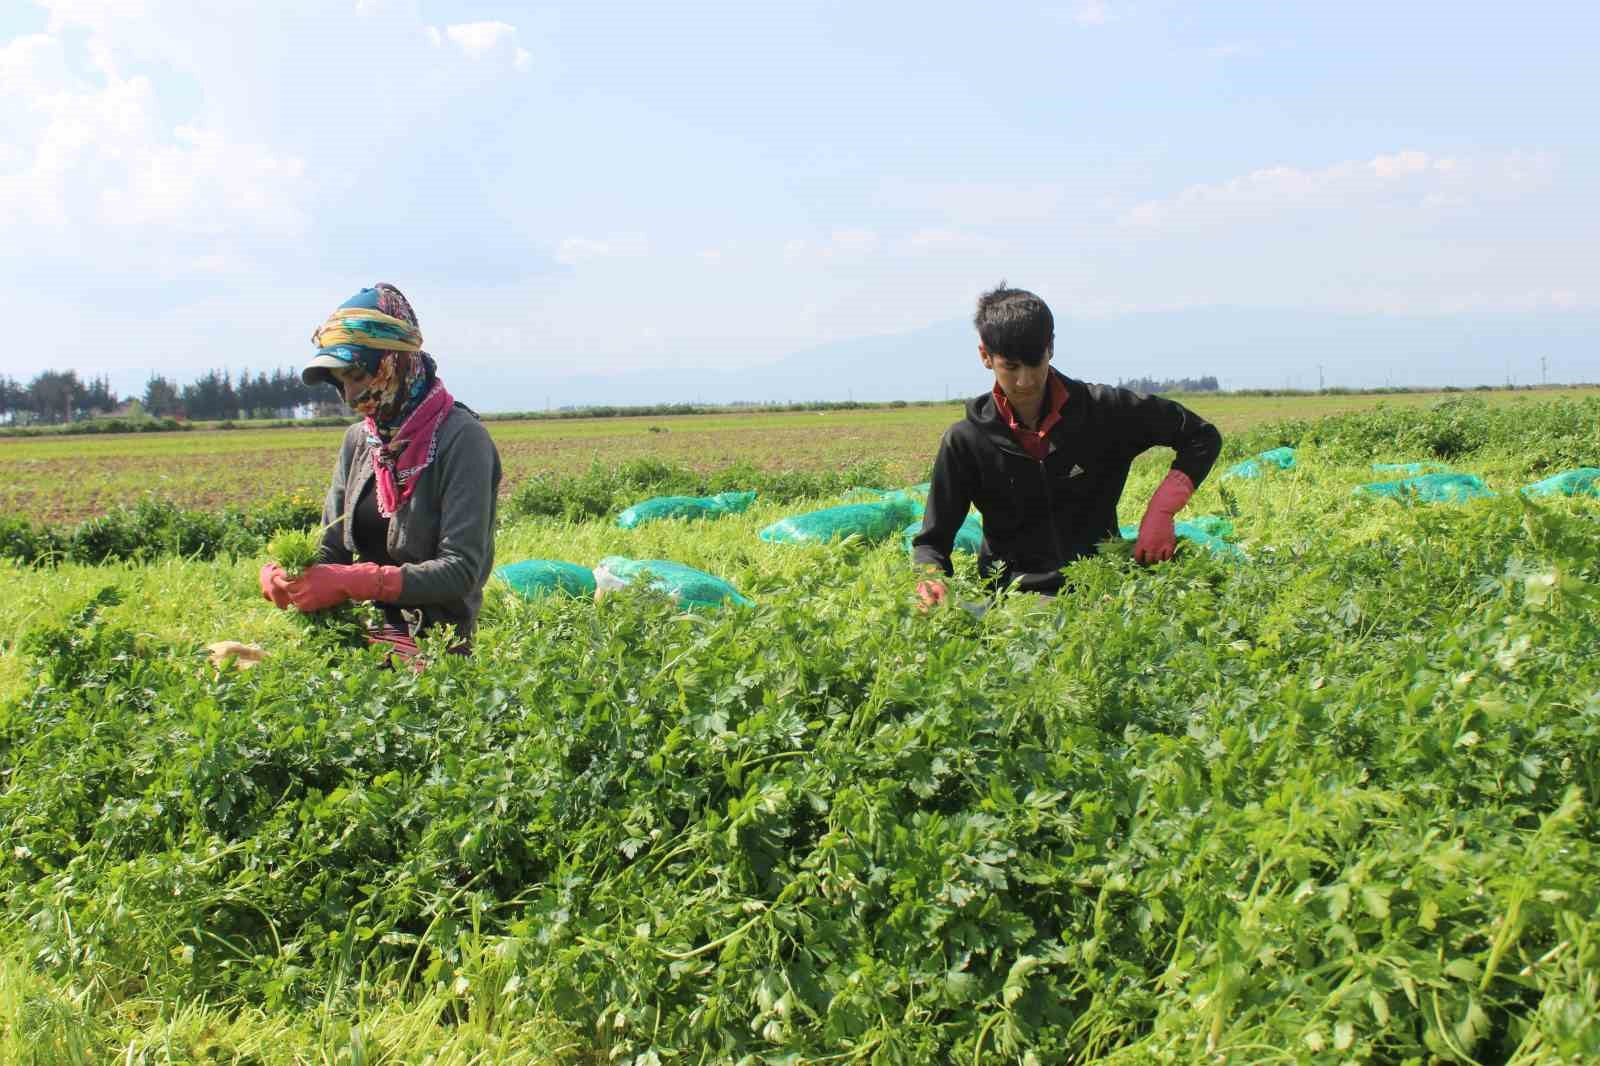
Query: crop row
[[153, 528]]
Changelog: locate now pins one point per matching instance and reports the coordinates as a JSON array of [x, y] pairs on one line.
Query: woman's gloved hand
[[275, 586], [330, 584], [1158, 537]]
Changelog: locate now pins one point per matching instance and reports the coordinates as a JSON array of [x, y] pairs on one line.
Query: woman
[[413, 492]]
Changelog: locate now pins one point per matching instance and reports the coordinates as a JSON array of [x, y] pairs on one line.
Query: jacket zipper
[[1050, 509]]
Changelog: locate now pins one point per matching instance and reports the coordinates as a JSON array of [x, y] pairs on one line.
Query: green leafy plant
[[1334, 804], [296, 551]]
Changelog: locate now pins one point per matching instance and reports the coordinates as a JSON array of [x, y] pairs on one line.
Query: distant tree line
[[1151, 385], [56, 396]]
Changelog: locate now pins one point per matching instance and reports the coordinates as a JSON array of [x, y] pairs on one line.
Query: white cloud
[[853, 241], [478, 39], [575, 250], [1092, 13], [955, 204], [948, 240], [84, 153], [93, 14], [202, 182], [1232, 50], [1404, 180], [845, 242], [1402, 164]]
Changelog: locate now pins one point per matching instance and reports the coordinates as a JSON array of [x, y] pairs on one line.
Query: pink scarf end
[[410, 451]]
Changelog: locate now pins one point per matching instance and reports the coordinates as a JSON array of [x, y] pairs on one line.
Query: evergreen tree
[[54, 394], [161, 397]]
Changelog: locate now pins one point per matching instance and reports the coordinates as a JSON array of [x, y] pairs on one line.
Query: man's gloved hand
[[275, 586], [330, 584], [1158, 538], [930, 593]]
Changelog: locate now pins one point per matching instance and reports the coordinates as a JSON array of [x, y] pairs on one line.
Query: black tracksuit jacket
[[1041, 514]]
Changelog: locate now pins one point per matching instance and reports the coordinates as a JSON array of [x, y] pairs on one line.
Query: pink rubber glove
[[275, 586], [330, 584], [1158, 539]]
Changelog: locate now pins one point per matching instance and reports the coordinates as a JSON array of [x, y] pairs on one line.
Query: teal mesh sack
[[860, 493], [871, 522], [1209, 524], [1265, 463], [687, 507], [969, 538], [1204, 531], [1429, 488], [685, 584], [1410, 469], [533, 578], [1584, 481]]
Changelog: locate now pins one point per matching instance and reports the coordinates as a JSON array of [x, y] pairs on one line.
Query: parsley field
[[1333, 801]]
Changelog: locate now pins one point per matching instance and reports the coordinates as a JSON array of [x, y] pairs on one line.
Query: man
[[1044, 458]]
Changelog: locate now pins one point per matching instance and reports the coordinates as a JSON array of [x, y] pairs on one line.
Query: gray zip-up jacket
[[443, 535]]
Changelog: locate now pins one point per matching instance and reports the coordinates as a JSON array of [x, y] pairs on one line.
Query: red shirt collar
[[1034, 441]]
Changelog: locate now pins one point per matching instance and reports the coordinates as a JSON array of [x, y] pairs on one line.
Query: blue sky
[[577, 188]]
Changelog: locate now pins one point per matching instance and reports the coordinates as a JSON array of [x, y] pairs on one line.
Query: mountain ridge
[[1243, 347]]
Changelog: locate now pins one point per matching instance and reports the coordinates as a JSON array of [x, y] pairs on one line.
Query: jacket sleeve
[[333, 549], [949, 497], [1151, 421], [469, 477]]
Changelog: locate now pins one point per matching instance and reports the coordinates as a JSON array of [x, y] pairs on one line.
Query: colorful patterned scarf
[[362, 327], [404, 403]]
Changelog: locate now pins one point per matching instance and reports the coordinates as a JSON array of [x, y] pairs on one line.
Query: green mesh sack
[[969, 538], [1584, 481], [533, 578], [871, 522], [1411, 469], [685, 584], [687, 507], [1429, 488], [1204, 531], [1265, 463]]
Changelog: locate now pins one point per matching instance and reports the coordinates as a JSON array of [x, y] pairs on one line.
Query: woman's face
[[364, 392]]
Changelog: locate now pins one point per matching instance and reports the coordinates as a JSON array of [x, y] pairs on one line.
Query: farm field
[[1329, 801], [65, 479]]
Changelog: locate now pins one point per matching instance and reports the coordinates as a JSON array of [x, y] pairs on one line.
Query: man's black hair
[[1015, 324]]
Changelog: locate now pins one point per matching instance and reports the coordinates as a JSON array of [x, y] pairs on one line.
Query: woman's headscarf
[[404, 402]]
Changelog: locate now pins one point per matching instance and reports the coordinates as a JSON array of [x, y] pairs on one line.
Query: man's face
[[1019, 381]]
